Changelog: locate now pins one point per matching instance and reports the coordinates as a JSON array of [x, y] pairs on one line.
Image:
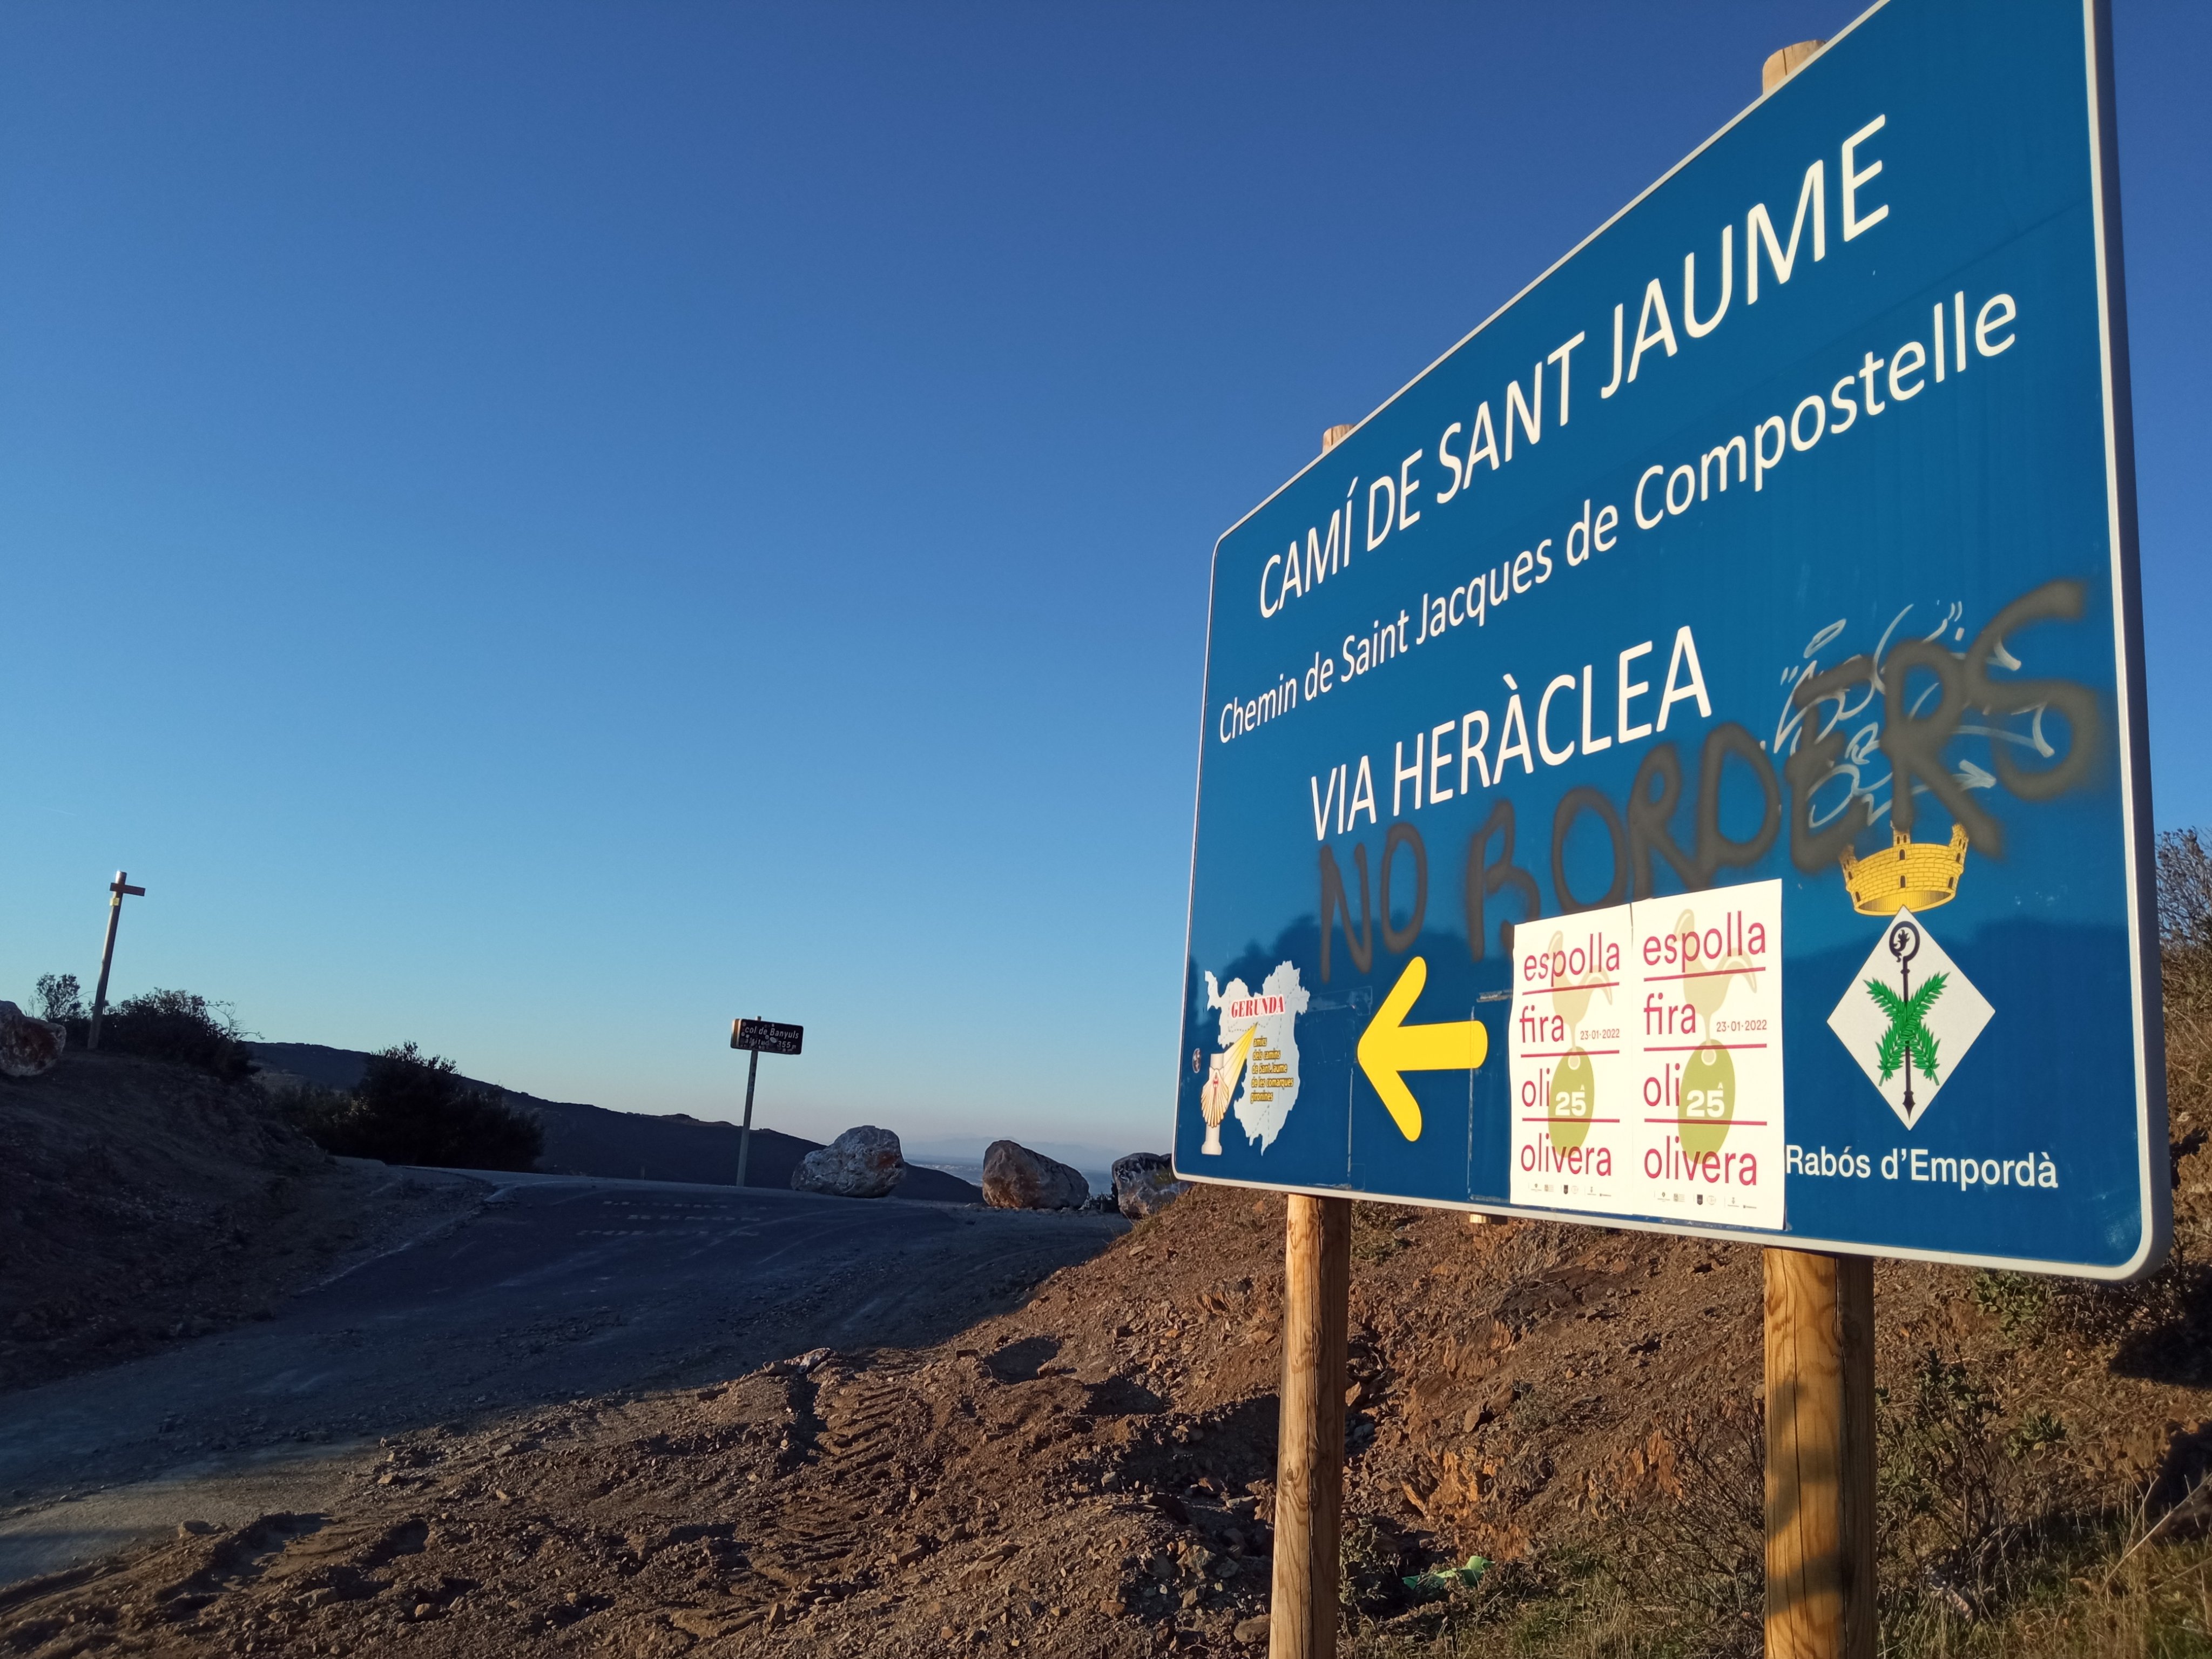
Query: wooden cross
[[118, 888]]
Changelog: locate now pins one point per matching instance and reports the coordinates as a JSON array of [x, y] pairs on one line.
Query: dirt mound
[[1091, 1473], [146, 1202]]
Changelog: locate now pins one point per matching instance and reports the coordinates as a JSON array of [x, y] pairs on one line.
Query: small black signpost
[[762, 1036]]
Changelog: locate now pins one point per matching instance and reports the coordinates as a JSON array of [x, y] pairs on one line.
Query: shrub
[[180, 1026], [1685, 1536], [60, 999], [411, 1107], [317, 1112], [2185, 890]]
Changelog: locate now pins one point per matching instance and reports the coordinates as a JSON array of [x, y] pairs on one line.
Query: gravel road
[[557, 1288]]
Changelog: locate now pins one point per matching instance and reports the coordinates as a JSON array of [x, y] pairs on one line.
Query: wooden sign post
[[118, 889], [1309, 1443], [1819, 1455], [1820, 1403], [1310, 1452]]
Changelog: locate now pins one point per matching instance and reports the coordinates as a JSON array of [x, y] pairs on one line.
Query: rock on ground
[[862, 1163], [1016, 1178], [27, 1046], [1144, 1184]]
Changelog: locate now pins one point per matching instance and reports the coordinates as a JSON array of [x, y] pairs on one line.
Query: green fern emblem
[[1906, 1035]]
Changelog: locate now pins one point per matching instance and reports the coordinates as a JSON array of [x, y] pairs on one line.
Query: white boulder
[[862, 1163]]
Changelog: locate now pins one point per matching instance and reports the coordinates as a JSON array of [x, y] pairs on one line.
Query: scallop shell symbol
[[1708, 1100], [1221, 1084], [1573, 1098]]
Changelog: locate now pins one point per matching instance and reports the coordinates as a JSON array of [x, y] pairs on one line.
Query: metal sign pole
[[745, 1135], [756, 1035], [118, 888]]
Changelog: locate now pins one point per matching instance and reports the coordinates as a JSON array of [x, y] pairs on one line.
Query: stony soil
[[143, 1203], [1091, 1474]]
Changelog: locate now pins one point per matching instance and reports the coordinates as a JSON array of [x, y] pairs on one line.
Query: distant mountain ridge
[[594, 1140]]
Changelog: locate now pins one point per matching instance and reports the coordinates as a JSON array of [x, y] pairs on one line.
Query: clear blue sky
[[536, 529]]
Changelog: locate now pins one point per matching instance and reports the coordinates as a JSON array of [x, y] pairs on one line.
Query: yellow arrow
[[1390, 1045]]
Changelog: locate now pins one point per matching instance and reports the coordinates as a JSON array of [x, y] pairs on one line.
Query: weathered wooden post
[[1310, 1452], [1781, 65], [1309, 1458], [1820, 1403], [118, 889], [1819, 1455]]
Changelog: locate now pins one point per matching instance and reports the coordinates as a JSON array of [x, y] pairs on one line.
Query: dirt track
[[1089, 1472], [557, 1288]]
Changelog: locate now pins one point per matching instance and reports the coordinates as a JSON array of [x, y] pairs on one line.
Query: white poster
[[1646, 1059], [1574, 1115]]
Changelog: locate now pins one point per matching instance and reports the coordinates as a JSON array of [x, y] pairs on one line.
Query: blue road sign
[[1679, 764]]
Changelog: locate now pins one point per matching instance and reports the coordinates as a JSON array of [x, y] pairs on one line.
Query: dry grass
[[2153, 1603]]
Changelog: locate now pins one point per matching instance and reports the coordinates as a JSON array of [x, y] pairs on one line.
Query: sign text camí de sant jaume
[[1680, 762]]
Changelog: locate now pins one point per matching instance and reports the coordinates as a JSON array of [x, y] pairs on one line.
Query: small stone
[[1016, 1178], [862, 1163], [28, 1046], [1254, 1629], [1144, 1184]]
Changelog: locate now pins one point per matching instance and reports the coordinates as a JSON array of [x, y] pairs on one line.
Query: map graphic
[[1258, 1039]]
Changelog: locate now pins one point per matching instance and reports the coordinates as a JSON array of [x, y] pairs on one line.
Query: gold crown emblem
[[1918, 875]]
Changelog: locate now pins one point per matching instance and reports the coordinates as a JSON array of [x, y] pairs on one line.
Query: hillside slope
[[593, 1140], [140, 1203]]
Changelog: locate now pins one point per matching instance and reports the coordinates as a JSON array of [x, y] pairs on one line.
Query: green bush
[[59, 998], [411, 1107], [181, 1026]]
